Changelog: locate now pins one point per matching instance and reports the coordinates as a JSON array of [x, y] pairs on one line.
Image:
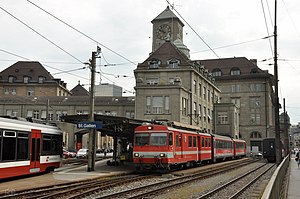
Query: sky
[[62, 34]]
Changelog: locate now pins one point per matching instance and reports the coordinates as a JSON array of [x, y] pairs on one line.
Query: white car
[[82, 153]]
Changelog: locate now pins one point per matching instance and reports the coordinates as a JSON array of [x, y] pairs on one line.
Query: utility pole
[[277, 128], [47, 111], [92, 133]]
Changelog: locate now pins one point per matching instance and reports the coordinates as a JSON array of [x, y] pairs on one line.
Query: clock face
[[163, 32]]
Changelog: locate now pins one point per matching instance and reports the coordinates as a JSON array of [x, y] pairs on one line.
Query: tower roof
[[166, 14]]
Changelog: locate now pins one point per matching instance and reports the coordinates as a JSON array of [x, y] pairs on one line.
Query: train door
[[199, 148], [178, 145], [35, 150]]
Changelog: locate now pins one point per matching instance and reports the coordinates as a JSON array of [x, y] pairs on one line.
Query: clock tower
[[166, 27]]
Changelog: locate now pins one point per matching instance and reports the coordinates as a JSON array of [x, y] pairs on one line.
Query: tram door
[[35, 150]]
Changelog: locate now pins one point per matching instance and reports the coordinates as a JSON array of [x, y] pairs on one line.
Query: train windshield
[[153, 139], [158, 139], [141, 139]]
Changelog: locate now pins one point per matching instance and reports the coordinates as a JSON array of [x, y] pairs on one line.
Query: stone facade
[[243, 83]]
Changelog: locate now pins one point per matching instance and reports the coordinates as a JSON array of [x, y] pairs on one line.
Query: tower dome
[[183, 48]]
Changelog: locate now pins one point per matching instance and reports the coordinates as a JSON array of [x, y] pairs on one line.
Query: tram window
[[202, 142], [22, 146], [190, 141], [9, 144], [51, 144], [141, 139], [46, 143], [194, 142], [55, 144]]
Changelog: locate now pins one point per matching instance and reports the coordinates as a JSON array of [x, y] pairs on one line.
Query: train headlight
[[136, 155], [162, 155]]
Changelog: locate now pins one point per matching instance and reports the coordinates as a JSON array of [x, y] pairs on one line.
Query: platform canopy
[[111, 125]]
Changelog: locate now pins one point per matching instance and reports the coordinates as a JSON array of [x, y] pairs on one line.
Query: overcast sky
[[123, 30]]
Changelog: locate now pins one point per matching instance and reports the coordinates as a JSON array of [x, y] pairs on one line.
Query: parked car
[[72, 152], [82, 153], [66, 154]]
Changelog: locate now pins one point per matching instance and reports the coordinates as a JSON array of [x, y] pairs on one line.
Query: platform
[[67, 174], [294, 181]]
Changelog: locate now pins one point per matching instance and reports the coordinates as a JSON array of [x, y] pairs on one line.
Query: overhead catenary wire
[[44, 37], [72, 27], [192, 29], [262, 4]]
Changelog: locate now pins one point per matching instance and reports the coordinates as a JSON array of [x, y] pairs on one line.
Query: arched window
[[255, 134], [216, 72], [235, 71], [173, 63], [154, 63]]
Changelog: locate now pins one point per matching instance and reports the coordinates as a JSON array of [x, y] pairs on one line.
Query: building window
[[236, 101], [195, 109], [26, 79], [235, 88], [235, 71], [256, 87], [255, 107], [41, 79], [11, 79], [50, 116], [167, 104], [36, 114], [204, 93], [13, 91], [204, 113], [6, 91], [148, 104], [208, 95], [154, 63], [12, 113], [216, 73], [152, 81], [255, 134], [222, 118], [200, 90], [171, 81], [157, 105], [173, 63], [200, 110], [195, 87], [184, 106]]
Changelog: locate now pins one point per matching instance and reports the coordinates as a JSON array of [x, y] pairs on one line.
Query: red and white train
[[163, 147], [27, 148]]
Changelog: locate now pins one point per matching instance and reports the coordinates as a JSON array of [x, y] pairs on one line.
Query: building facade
[[27, 78], [244, 84]]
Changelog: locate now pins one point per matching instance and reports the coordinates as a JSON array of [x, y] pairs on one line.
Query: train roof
[[23, 125]]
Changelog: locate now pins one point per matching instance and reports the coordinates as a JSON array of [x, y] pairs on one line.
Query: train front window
[[141, 139], [158, 139]]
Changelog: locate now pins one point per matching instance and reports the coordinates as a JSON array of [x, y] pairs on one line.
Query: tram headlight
[[136, 155], [162, 155]]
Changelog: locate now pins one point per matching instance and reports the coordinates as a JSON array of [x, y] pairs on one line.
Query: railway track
[[70, 190], [234, 188], [150, 190], [116, 187]]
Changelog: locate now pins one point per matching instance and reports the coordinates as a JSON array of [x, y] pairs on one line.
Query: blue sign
[[90, 125]]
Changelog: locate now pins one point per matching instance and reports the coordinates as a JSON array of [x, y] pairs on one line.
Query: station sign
[[90, 125]]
